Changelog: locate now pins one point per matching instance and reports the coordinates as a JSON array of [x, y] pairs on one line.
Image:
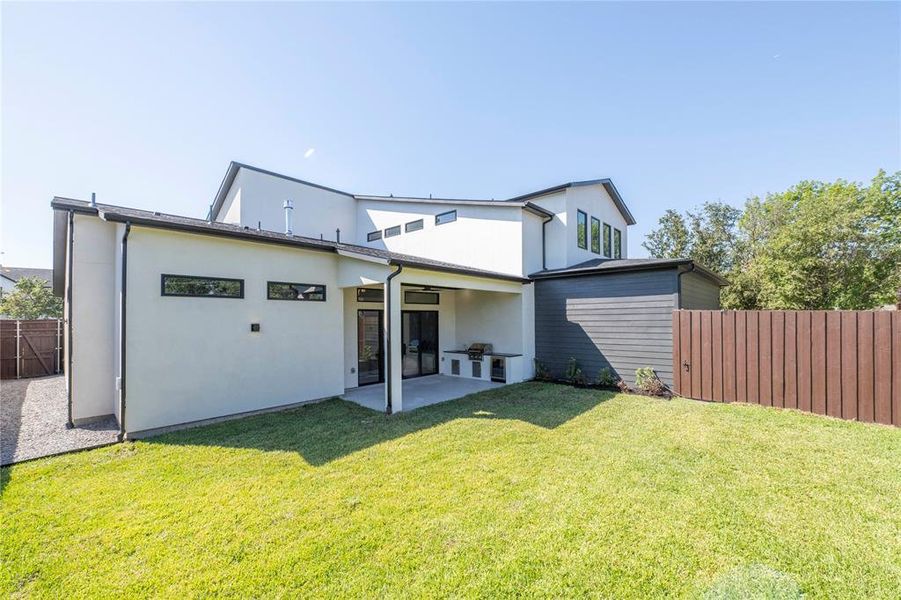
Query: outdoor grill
[[478, 350]]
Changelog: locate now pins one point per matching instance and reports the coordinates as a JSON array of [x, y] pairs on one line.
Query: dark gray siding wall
[[622, 321], [699, 293]]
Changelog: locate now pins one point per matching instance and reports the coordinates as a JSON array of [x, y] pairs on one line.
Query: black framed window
[[421, 297], [413, 226], [617, 243], [370, 295], [283, 290], [582, 229], [595, 235], [373, 236], [446, 217], [606, 240], [392, 231], [195, 286]]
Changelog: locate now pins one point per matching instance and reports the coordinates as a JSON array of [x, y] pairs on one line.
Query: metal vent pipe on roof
[[289, 210]]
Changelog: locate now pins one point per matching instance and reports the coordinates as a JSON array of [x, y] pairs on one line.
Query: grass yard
[[531, 489]]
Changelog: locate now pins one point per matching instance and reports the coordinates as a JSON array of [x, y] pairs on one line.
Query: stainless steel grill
[[478, 350]]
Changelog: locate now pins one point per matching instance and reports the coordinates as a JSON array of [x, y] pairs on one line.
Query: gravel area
[[33, 421]]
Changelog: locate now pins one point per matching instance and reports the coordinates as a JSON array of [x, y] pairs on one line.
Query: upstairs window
[[617, 243], [413, 226], [195, 286], [373, 236], [281, 290], [446, 217], [392, 231], [595, 235], [607, 252], [582, 229]]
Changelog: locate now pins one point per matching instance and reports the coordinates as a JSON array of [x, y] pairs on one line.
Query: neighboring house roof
[[121, 214], [603, 266], [16, 273], [608, 186], [521, 201]]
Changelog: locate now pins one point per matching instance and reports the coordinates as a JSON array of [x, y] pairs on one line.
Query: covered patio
[[419, 392]]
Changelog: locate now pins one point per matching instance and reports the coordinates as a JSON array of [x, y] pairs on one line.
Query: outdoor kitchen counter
[[498, 354]]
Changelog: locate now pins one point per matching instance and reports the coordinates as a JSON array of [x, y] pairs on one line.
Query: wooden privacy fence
[[844, 364], [30, 348]]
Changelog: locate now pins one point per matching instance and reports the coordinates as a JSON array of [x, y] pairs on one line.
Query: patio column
[[394, 374]]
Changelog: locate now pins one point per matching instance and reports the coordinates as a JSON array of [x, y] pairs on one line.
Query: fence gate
[[844, 364], [31, 348]]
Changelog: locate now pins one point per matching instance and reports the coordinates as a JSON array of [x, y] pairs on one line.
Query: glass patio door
[[419, 343], [370, 354]]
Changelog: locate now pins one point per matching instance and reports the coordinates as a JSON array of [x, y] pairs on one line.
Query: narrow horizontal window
[[606, 240], [617, 243], [413, 226], [201, 287], [595, 235], [421, 297], [446, 217], [373, 236], [370, 295], [309, 292], [582, 229], [392, 231]]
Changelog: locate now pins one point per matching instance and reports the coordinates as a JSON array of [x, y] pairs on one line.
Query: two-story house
[[290, 292]]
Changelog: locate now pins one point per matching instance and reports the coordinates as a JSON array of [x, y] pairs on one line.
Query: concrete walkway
[[33, 421], [419, 392]]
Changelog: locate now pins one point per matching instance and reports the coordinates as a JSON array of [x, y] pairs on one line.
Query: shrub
[[541, 371], [605, 377], [574, 372], [623, 386], [647, 381]]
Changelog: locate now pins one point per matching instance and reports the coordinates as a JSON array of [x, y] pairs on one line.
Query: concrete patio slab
[[419, 392]]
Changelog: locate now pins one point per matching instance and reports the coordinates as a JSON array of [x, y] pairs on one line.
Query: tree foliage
[[31, 299], [814, 246]]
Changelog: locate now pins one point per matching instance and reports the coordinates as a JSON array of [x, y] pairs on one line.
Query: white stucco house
[[290, 292]]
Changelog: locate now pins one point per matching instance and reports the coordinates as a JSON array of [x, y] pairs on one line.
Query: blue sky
[[679, 103]]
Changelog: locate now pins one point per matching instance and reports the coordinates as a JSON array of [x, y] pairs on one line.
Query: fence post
[[59, 346], [18, 348]]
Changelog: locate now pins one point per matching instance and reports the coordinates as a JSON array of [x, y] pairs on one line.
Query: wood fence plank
[[716, 363], [778, 321], [706, 356], [741, 356], [865, 366], [896, 368], [753, 357], [685, 352], [834, 364], [677, 346], [765, 341], [729, 356], [696, 354], [790, 360], [849, 364], [818, 362], [803, 370], [882, 398]]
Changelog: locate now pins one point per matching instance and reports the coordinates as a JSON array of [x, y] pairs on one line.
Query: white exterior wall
[[196, 358], [231, 206], [482, 237], [555, 230], [94, 318], [532, 258], [316, 211]]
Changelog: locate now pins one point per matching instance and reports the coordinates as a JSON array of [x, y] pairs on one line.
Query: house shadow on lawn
[[329, 430]]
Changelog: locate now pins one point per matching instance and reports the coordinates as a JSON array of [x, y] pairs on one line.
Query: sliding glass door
[[370, 356], [419, 343]]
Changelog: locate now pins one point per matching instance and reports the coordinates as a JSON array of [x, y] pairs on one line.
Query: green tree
[[31, 299], [814, 246]]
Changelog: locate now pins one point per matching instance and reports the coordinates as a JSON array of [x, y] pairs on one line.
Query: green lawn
[[531, 489]]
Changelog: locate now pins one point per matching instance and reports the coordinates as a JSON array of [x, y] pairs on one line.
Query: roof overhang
[[606, 183], [684, 265]]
